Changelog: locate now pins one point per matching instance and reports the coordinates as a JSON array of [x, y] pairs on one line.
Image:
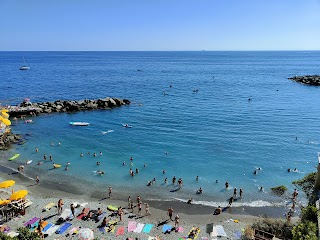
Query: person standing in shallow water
[[110, 191], [240, 192], [227, 184]]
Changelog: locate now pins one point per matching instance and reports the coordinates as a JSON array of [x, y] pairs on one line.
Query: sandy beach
[[190, 215]]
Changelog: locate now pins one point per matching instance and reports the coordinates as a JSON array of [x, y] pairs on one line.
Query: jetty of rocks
[[307, 79], [27, 108]]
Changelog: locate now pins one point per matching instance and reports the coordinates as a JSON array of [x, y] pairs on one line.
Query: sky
[[159, 25]]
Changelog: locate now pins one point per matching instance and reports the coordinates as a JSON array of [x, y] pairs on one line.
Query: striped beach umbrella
[[85, 234]]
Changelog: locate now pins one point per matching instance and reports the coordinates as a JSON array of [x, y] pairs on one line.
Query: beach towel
[[195, 236], [31, 221], [120, 231], [48, 206], [85, 213], [132, 226], [52, 230], [76, 211], [147, 228], [152, 238], [180, 229], [214, 232], [139, 228], [98, 218], [237, 234], [63, 228], [65, 214], [166, 228], [46, 228], [73, 230], [220, 231]]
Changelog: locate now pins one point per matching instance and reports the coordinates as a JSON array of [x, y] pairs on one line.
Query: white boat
[[79, 123], [24, 67]]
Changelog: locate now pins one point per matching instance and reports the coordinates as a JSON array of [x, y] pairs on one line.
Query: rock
[[307, 79]]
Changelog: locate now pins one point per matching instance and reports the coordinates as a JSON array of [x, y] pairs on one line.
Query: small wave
[[258, 203]]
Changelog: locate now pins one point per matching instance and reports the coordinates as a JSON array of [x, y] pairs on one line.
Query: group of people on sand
[[139, 205]]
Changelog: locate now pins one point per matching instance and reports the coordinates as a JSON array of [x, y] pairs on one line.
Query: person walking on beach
[[295, 195], [170, 212], [37, 180], [60, 204], [72, 209], [139, 208], [147, 209], [129, 201], [131, 206], [176, 222], [110, 191], [138, 199], [120, 213], [230, 201]]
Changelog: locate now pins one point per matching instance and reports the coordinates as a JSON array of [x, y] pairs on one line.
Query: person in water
[[165, 180], [163, 171], [137, 170], [240, 192], [81, 154], [227, 184], [197, 178], [124, 163], [94, 154], [199, 191], [174, 180]]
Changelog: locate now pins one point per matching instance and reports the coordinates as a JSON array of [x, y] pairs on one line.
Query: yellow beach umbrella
[[6, 121], [5, 110], [7, 184], [6, 115], [4, 202], [18, 195]]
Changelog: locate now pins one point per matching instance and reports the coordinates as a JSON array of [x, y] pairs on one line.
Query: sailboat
[[24, 67]]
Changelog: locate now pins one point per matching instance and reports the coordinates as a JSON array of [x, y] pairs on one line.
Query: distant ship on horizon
[[24, 67]]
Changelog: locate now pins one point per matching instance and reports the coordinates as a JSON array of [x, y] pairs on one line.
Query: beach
[[190, 215]]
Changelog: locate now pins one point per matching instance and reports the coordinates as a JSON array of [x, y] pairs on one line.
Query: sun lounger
[[63, 228], [166, 228], [48, 206], [220, 231], [46, 228], [120, 231], [147, 228], [132, 226], [195, 236], [52, 230], [85, 213], [31, 221], [139, 228]]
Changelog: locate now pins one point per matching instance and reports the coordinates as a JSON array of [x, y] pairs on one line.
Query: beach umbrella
[[4, 110], [6, 115], [4, 202], [7, 184], [6, 121], [85, 234], [18, 195]]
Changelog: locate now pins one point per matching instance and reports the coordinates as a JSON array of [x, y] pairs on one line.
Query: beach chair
[[63, 228], [194, 233], [31, 221]]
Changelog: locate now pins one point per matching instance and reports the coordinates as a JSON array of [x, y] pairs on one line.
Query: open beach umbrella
[[4, 110], [5, 121], [7, 184], [4, 202], [85, 234], [6, 115], [18, 195]]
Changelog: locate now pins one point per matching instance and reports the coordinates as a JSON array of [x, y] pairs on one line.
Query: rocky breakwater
[[27, 108], [307, 79], [7, 139]]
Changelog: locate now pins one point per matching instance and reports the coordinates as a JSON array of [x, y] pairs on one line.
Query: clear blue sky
[[159, 25]]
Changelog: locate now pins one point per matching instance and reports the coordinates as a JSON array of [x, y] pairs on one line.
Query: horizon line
[[314, 50]]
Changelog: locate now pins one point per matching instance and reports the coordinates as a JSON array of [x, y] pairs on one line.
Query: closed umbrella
[[7, 184], [18, 195], [85, 234]]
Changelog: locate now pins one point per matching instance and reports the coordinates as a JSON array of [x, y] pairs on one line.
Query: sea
[[217, 115]]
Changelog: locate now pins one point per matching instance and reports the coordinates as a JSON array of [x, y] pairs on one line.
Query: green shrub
[[306, 184], [26, 234], [309, 213], [279, 228], [307, 230], [6, 237], [280, 190]]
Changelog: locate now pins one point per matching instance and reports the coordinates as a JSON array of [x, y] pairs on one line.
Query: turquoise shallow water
[[215, 133]]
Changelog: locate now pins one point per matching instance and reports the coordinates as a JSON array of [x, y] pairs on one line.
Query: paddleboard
[[57, 165], [14, 157], [29, 161], [79, 123], [105, 132]]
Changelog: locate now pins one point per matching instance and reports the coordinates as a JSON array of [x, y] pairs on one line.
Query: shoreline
[[48, 189]]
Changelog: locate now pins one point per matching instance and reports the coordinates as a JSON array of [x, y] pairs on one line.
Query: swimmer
[[240, 192], [163, 171], [88, 153], [199, 191], [295, 170], [37, 150], [98, 163], [51, 144], [131, 164], [130, 171], [100, 153], [66, 168], [174, 180], [50, 156], [189, 201], [131, 158], [59, 144], [255, 172], [124, 163], [81, 154], [289, 170], [144, 165], [217, 181], [94, 154], [68, 163], [39, 163], [197, 178], [259, 168], [149, 183], [165, 180], [227, 184], [261, 189], [137, 170], [132, 174], [44, 157], [154, 180]]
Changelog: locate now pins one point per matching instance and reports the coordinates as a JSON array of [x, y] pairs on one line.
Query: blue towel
[[147, 228], [47, 227], [166, 228], [102, 229], [101, 216], [63, 228]]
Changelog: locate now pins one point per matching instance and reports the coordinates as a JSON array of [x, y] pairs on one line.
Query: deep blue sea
[[215, 133]]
